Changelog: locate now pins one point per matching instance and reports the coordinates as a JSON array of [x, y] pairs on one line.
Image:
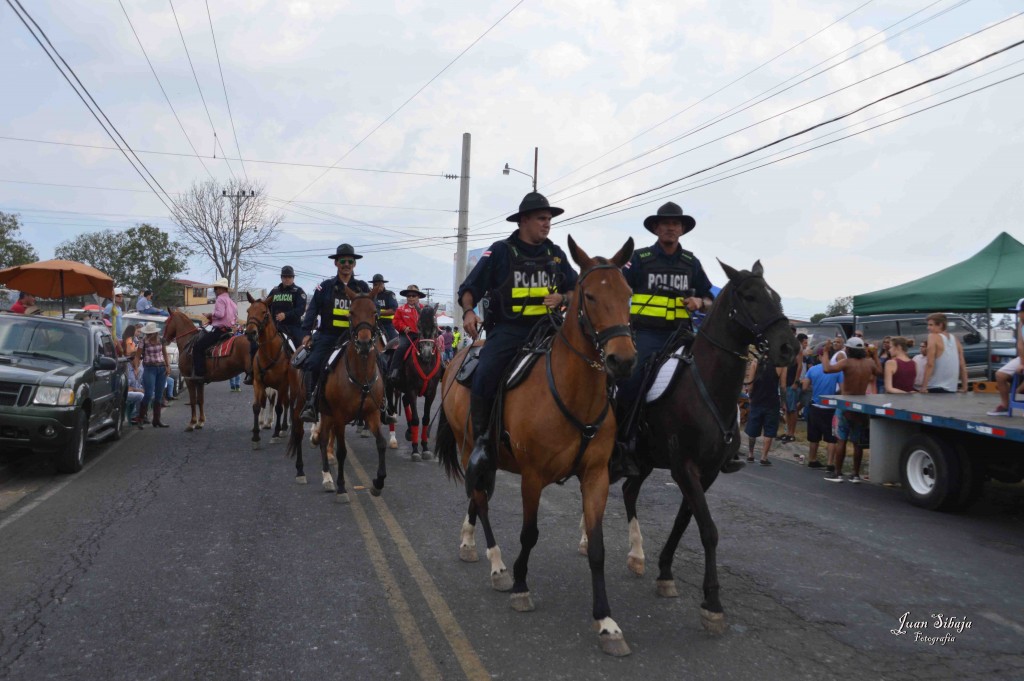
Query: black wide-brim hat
[[378, 278], [670, 210], [287, 271], [413, 290], [345, 251], [532, 202]]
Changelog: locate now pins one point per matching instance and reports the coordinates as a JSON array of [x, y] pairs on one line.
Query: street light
[[507, 169]]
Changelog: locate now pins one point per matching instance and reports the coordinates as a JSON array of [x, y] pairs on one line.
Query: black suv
[[60, 385]]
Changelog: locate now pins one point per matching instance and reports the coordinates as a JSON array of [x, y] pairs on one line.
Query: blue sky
[[580, 79]]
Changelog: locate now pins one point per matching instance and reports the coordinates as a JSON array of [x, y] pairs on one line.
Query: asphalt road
[[191, 556]]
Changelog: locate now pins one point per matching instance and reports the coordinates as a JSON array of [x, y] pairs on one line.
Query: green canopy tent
[[992, 279]]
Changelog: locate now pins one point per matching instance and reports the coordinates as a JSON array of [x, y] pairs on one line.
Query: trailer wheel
[[930, 473]]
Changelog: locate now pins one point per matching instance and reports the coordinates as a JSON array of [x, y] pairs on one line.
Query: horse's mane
[[427, 323]]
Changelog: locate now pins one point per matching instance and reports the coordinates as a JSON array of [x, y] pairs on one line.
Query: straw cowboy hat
[[673, 211], [532, 202], [221, 283], [413, 290], [150, 327]]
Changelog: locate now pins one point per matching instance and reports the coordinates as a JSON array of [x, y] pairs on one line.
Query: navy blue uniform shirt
[[326, 288], [701, 283]]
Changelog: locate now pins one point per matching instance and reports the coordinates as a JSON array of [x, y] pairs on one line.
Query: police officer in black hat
[[332, 305], [522, 276], [387, 305], [287, 305]]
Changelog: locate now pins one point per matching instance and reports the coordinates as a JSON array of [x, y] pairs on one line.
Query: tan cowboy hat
[[413, 290], [221, 283], [150, 327], [33, 309]]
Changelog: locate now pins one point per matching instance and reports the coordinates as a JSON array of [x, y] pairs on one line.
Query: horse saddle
[[465, 374], [524, 362], [224, 345]]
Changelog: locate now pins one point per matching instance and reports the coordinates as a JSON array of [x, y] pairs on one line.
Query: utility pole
[[429, 290], [460, 252], [536, 151], [236, 204]]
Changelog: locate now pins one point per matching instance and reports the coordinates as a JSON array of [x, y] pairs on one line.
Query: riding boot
[[158, 408], [140, 418], [623, 462], [483, 465], [253, 349], [309, 411]]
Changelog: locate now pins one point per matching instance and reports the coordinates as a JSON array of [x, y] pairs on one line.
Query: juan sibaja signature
[[936, 630]]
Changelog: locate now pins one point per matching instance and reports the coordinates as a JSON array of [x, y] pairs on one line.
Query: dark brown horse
[[180, 329], [354, 389], [421, 373], [559, 424], [692, 429], [273, 369]]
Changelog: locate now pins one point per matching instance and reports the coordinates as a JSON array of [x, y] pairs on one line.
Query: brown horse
[[180, 329], [559, 424], [354, 389], [273, 369]]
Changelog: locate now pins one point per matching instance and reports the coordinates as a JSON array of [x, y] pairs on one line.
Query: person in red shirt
[[25, 301], [406, 322]]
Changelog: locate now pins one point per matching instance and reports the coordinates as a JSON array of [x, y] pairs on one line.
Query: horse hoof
[[502, 581], [199, 426], [636, 565], [375, 491], [267, 427], [583, 547], [364, 433], [521, 602], [329, 486], [415, 456], [300, 479], [667, 588], [427, 456], [341, 498], [393, 444], [275, 440], [255, 445], [468, 554], [189, 428], [314, 440], [614, 645], [713, 622]]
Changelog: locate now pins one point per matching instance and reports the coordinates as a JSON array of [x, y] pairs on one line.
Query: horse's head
[[257, 318], [602, 298], [362, 319], [426, 346], [756, 316], [178, 324]]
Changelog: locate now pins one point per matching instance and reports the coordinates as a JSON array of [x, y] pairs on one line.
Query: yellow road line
[[470, 662], [418, 650]]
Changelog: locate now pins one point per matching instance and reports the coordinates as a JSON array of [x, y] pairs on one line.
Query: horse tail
[[446, 449]]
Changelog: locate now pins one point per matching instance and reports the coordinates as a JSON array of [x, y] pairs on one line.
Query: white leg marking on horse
[[328, 482], [467, 542], [635, 559], [611, 638], [607, 626], [501, 580], [393, 443]]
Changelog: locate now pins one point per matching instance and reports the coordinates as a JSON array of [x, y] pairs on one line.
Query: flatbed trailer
[[940, 447]]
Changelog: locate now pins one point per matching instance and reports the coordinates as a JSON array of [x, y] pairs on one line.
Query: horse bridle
[[740, 314], [597, 338]]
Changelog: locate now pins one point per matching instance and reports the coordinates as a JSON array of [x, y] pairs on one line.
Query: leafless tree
[[230, 224]]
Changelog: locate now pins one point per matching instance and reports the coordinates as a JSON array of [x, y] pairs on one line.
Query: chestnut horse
[[559, 424], [273, 369], [354, 389], [181, 330], [421, 372], [692, 430]]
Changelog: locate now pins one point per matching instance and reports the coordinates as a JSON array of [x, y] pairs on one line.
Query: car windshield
[[27, 337], [817, 333]]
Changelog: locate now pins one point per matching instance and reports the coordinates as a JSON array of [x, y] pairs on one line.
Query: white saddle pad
[[663, 379], [519, 367]]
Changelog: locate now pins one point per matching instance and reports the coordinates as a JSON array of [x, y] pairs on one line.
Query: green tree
[[815, 318], [839, 306], [13, 251], [143, 257]]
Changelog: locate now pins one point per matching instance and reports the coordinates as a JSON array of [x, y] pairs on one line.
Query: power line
[[743, 106], [22, 15], [81, 186], [162, 90], [712, 94], [246, 160], [793, 108], [216, 140], [412, 97], [370, 205], [224, 85]]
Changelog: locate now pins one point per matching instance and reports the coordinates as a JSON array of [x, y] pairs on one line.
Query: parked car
[[915, 325], [172, 348], [61, 385]]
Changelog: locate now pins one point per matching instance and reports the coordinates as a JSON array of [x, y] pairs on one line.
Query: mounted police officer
[[332, 305], [287, 304], [522, 276], [669, 284], [387, 305]]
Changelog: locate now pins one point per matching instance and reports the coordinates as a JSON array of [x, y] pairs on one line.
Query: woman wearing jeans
[[154, 375]]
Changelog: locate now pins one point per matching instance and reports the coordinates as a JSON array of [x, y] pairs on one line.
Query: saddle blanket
[[223, 348], [665, 375]]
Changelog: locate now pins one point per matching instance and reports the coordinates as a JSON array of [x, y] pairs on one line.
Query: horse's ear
[[250, 298], [350, 294], [579, 256], [624, 254], [757, 270], [729, 272]]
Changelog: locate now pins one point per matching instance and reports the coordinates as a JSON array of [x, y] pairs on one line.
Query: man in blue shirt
[[522, 277], [144, 305], [819, 416]]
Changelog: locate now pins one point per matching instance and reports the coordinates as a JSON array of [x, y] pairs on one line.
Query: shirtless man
[[859, 369]]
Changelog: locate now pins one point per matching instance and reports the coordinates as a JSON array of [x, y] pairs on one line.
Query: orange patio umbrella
[[57, 279]]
